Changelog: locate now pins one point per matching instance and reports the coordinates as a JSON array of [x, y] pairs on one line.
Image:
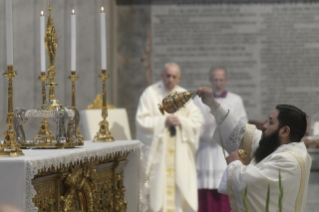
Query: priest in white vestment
[[171, 143], [277, 148], [210, 162]]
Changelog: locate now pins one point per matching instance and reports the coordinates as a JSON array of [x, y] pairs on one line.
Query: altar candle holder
[[73, 77], [104, 135], [10, 147], [44, 136]]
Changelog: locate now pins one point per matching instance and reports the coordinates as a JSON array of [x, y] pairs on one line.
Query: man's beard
[[267, 145]]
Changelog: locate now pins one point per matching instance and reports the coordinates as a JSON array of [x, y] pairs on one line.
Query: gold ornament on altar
[[44, 138], [173, 102], [44, 135], [51, 41], [104, 135], [51, 44], [78, 136], [98, 103], [10, 146]]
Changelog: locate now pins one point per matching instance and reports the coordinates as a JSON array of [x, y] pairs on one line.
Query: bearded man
[[277, 149], [171, 142]]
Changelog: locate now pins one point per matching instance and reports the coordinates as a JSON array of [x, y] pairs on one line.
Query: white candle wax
[[103, 40], [73, 41], [9, 32], [42, 41]]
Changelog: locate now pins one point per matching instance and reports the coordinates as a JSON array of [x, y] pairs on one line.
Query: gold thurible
[[44, 135], [73, 77], [10, 143], [104, 134]]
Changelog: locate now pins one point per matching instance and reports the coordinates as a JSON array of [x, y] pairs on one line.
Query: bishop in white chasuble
[[170, 151]]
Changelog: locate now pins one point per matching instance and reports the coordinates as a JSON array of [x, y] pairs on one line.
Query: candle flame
[[73, 12], [102, 9], [42, 13]]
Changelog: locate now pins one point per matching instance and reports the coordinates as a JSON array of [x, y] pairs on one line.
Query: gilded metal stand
[[44, 135], [52, 103], [51, 43], [73, 77], [104, 134], [10, 144]]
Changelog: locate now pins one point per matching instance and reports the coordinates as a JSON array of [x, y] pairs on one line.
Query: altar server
[[277, 148], [171, 143], [210, 160]]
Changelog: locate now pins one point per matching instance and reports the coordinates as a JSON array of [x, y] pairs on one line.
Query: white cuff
[[223, 183], [220, 114]]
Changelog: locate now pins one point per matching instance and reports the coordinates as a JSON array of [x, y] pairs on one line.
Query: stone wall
[[133, 56]]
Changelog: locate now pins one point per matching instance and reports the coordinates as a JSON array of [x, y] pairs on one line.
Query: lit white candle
[[9, 32], [73, 41], [103, 40], [42, 41]]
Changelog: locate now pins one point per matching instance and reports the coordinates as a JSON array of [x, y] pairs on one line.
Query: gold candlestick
[[44, 135], [51, 43], [10, 144], [73, 77], [104, 134]]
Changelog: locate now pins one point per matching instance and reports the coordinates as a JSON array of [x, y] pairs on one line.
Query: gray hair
[[170, 64]]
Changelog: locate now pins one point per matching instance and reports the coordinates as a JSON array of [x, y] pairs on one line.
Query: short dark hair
[[295, 119]]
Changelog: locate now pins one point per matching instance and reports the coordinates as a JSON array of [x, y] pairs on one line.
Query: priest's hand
[[172, 121], [234, 156], [207, 96]]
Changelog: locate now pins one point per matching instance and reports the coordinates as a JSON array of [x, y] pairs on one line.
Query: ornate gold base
[[80, 137], [25, 145], [100, 138], [11, 153], [44, 135], [10, 147], [65, 145], [46, 146], [104, 134], [51, 104]]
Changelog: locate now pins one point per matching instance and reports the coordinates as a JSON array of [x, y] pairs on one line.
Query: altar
[[93, 177]]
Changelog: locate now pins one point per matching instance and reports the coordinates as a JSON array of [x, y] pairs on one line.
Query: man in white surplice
[[171, 143], [277, 147], [210, 161]]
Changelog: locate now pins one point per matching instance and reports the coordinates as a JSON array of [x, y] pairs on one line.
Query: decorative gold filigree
[[103, 197], [79, 183], [51, 44], [51, 41], [119, 191], [44, 199], [95, 185]]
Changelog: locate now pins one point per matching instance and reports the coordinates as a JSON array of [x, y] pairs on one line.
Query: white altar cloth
[[16, 173]]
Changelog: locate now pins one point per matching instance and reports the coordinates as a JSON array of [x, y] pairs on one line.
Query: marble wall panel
[[133, 28]]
